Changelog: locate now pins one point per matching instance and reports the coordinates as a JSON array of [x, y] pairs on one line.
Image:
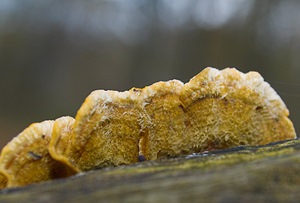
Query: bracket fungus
[[26, 158], [214, 110]]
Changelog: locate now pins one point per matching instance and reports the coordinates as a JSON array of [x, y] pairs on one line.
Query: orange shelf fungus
[[106, 130], [163, 130], [25, 159], [229, 108], [214, 110], [59, 142]]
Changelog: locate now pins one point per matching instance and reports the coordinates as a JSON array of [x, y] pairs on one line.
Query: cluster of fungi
[[214, 110]]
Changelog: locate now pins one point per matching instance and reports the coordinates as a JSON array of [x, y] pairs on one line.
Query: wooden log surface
[[268, 173]]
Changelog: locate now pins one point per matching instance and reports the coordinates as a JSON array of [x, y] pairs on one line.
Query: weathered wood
[[254, 174]]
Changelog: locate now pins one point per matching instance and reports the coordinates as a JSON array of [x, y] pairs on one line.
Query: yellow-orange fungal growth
[[106, 130], [3, 181], [26, 159], [229, 108], [60, 140], [214, 110], [163, 129]]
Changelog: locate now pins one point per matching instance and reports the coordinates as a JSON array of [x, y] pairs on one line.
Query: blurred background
[[54, 53]]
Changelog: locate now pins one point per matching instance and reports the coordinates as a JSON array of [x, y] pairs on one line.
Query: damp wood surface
[[267, 173]]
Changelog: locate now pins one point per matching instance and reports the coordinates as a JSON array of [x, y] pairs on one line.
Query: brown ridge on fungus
[[214, 110], [3, 181], [59, 142]]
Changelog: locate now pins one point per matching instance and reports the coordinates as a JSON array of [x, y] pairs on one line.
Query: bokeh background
[[54, 53]]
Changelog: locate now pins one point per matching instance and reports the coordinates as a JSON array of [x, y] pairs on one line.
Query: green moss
[[204, 162]]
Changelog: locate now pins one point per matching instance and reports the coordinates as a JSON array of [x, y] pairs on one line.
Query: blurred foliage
[[54, 53]]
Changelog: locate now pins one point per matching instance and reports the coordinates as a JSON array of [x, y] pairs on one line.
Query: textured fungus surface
[[228, 108], [163, 129], [106, 130], [60, 140], [25, 159], [214, 110]]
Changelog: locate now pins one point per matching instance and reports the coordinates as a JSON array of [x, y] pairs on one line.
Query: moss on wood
[[258, 174]]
